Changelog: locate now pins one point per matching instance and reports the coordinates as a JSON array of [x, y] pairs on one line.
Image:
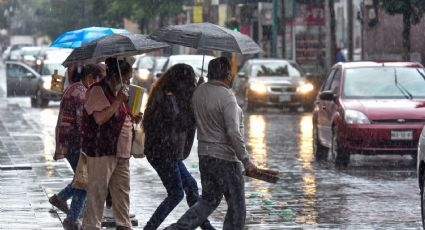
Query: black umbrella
[[114, 45], [207, 36]]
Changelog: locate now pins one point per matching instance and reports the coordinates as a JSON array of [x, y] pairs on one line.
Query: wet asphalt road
[[374, 192]]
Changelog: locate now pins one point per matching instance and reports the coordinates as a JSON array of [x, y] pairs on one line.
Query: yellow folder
[[135, 100]]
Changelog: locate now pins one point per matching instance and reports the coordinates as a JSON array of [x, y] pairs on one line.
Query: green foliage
[[414, 8], [53, 17]]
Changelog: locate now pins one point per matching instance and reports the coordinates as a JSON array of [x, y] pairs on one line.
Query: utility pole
[[274, 28], [350, 29], [283, 28], [260, 26]]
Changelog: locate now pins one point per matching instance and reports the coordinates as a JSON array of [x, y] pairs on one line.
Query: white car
[[193, 60]]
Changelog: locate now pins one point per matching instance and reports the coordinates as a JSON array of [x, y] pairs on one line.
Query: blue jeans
[[177, 181], [78, 196]]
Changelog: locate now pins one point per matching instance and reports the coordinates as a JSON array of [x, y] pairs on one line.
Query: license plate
[[402, 135], [284, 98]]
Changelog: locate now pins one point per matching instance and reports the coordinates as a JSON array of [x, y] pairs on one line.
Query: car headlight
[[355, 117], [258, 88], [143, 74], [305, 87], [47, 85]]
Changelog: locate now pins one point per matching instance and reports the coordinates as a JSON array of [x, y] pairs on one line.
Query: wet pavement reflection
[[374, 192]]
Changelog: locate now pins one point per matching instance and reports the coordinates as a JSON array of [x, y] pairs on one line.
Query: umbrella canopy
[[207, 36], [77, 38], [114, 45]]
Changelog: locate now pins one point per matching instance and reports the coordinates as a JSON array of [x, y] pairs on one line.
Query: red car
[[369, 108]]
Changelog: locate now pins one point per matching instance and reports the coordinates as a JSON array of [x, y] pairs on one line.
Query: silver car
[[22, 80], [272, 83]]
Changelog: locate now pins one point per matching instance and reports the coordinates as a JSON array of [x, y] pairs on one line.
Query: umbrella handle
[[119, 71], [202, 70]]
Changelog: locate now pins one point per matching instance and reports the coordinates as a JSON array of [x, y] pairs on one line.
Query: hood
[[294, 80], [46, 78], [383, 109]]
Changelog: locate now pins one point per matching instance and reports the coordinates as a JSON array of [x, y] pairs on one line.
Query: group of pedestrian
[[94, 118]]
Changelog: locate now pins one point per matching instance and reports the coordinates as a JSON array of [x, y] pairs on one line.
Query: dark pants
[[177, 181], [219, 177]]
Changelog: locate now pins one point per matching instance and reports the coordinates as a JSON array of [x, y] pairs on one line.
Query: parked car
[[272, 83], [22, 80], [144, 70], [193, 60], [15, 51], [54, 54], [29, 55], [369, 108]]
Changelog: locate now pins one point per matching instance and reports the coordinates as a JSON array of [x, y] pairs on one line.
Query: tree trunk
[[406, 35], [332, 50]]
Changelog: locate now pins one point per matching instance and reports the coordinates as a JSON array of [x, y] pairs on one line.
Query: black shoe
[[72, 224], [59, 203]]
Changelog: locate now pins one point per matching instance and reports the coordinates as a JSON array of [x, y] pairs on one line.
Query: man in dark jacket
[[221, 149]]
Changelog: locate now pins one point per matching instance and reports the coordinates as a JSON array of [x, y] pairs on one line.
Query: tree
[[144, 11], [412, 11]]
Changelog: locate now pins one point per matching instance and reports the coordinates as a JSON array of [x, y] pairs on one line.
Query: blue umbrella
[[77, 38]]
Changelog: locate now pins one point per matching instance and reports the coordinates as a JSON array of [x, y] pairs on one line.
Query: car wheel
[[320, 152], [39, 101], [340, 156], [423, 200]]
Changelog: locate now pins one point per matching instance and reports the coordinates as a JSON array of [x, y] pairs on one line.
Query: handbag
[[138, 143], [81, 177]]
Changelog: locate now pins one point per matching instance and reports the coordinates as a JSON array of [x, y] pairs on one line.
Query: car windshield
[[160, 63], [384, 82], [31, 52], [275, 69], [49, 68], [195, 63]]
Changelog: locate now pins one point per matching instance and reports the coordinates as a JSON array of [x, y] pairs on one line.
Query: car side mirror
[[327, 95], [29, 75], [241, 75]]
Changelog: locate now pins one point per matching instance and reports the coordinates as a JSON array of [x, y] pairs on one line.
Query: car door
[[12, 80], [21, 81], [324, 115]]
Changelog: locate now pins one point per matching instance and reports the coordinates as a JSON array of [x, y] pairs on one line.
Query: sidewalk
[[23, 199]]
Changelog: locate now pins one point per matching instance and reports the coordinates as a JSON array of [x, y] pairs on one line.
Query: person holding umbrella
[[107, 136], [169, 126], [68, 143], [221, 150]]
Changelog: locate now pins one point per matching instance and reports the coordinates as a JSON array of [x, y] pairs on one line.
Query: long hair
[[181, 82]]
